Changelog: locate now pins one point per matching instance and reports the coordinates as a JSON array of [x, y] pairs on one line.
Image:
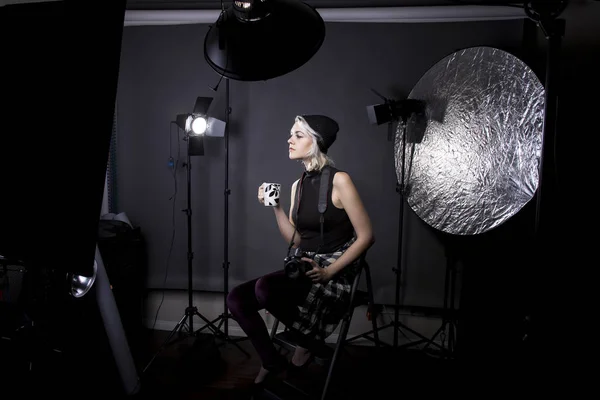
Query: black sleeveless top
[[337, 229]]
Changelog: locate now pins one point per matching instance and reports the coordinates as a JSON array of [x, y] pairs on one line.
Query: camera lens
[[292, 268]]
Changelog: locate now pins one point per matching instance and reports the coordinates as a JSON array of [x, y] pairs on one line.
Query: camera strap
[[323, 189], [322, 205], [295, 210]]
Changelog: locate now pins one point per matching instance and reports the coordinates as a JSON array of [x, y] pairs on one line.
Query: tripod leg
[[448, 306], [442, 328], [438, 332], [374, 331], [221, 334], [210, 325], [452, 332], [166, 342], [238, 346], [240, 339]]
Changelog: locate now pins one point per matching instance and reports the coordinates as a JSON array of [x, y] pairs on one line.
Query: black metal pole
[[226, 228], [398, 269], [190, 254], [553, 30], [544, 237]]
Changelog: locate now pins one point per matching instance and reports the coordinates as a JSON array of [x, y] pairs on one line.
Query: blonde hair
[[316, 158]]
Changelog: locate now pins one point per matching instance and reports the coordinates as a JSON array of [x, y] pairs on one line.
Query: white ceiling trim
[[376, 14]]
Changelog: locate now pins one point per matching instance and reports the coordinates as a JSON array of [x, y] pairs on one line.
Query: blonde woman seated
[[311, 307]]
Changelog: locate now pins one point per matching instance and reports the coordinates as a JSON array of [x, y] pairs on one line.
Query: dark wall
[[162, 72]]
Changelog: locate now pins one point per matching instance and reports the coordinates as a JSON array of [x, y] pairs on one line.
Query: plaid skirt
[[322, 310]]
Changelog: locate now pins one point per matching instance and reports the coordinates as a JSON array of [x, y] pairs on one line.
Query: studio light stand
[[402, 113], [190, 310], [225, 316], [545, 15], [398, 112], [476, 211], [240, 46]]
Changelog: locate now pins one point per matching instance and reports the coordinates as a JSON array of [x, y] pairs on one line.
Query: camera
[[294, 266]]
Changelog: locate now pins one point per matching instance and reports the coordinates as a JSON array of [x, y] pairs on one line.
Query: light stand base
[[400, 327], [223, 335], [446, 331], [447, 334], [190, 312]]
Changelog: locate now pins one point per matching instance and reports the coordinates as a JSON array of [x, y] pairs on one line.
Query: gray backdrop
[[163, 71]]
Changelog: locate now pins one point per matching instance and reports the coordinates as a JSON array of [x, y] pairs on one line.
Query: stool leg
[[274, 328], [371, 301], [340, 342], [345, 326]]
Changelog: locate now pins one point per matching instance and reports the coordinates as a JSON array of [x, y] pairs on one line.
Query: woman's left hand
[[317, 274]]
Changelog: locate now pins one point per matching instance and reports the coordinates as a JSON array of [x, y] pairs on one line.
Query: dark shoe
[[278, 367], [256, 389]]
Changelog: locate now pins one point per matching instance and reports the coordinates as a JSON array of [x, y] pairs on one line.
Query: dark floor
[[204, 367], [182, 371], [71, 353]]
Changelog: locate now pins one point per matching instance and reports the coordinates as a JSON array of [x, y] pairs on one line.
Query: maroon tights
[[279, 295]]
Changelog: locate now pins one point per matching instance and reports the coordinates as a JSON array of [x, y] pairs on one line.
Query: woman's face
[[299, 143]]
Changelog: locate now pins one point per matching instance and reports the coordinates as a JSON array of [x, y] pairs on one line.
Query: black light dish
[[263, 39]]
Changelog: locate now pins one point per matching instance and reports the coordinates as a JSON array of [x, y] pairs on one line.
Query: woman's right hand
[[261, 195]]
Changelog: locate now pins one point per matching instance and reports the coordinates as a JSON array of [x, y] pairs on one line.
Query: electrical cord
[[174, 164]]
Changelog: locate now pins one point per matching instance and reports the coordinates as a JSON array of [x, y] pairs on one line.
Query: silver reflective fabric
[[472, 158]]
